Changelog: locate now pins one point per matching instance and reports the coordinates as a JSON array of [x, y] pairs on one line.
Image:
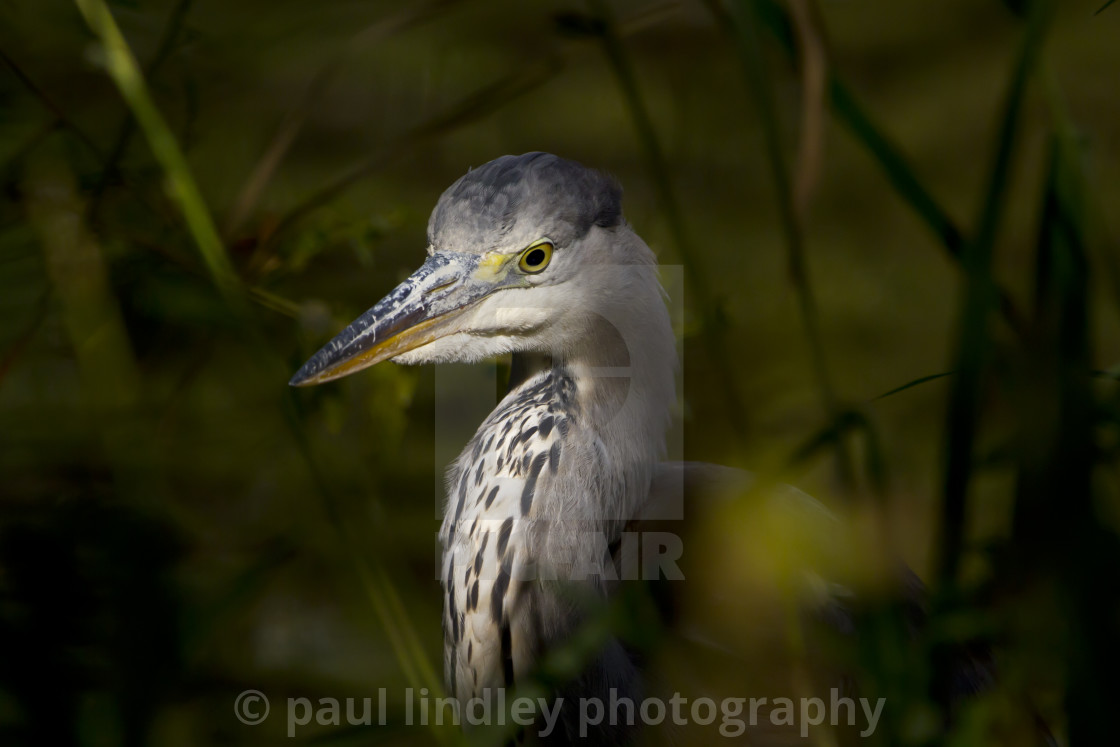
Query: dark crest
[[540, 192]]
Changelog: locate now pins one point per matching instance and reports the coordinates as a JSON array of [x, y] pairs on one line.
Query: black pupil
[[535, 257]]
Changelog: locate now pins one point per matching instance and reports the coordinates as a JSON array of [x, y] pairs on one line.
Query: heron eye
[[536, 258]]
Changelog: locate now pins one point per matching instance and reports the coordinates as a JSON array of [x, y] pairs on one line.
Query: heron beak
[[418, 311]]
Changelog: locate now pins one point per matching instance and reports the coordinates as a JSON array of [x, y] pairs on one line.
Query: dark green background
[[171, 511]]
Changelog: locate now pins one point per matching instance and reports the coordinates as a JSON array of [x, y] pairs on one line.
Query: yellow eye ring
[[536, 257]]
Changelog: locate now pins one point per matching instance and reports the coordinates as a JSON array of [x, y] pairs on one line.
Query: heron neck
[[624, 370]]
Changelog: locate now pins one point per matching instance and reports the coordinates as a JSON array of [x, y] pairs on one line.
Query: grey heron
[[531, 254]]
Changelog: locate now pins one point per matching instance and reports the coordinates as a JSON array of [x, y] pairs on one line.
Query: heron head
[[520, 257]]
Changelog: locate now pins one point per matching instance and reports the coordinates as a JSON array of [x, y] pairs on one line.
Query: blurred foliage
[[866, 198]]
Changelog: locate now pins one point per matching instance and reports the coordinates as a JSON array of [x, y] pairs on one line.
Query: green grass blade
[[605, 26], [980, 298], [375, 582], [890, 158], [898, 172], [122, 67], [743, 21], [901, 175], [916, 382], [127, 128]]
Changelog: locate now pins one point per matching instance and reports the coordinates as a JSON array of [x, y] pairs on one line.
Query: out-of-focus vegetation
[[863, 195]]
